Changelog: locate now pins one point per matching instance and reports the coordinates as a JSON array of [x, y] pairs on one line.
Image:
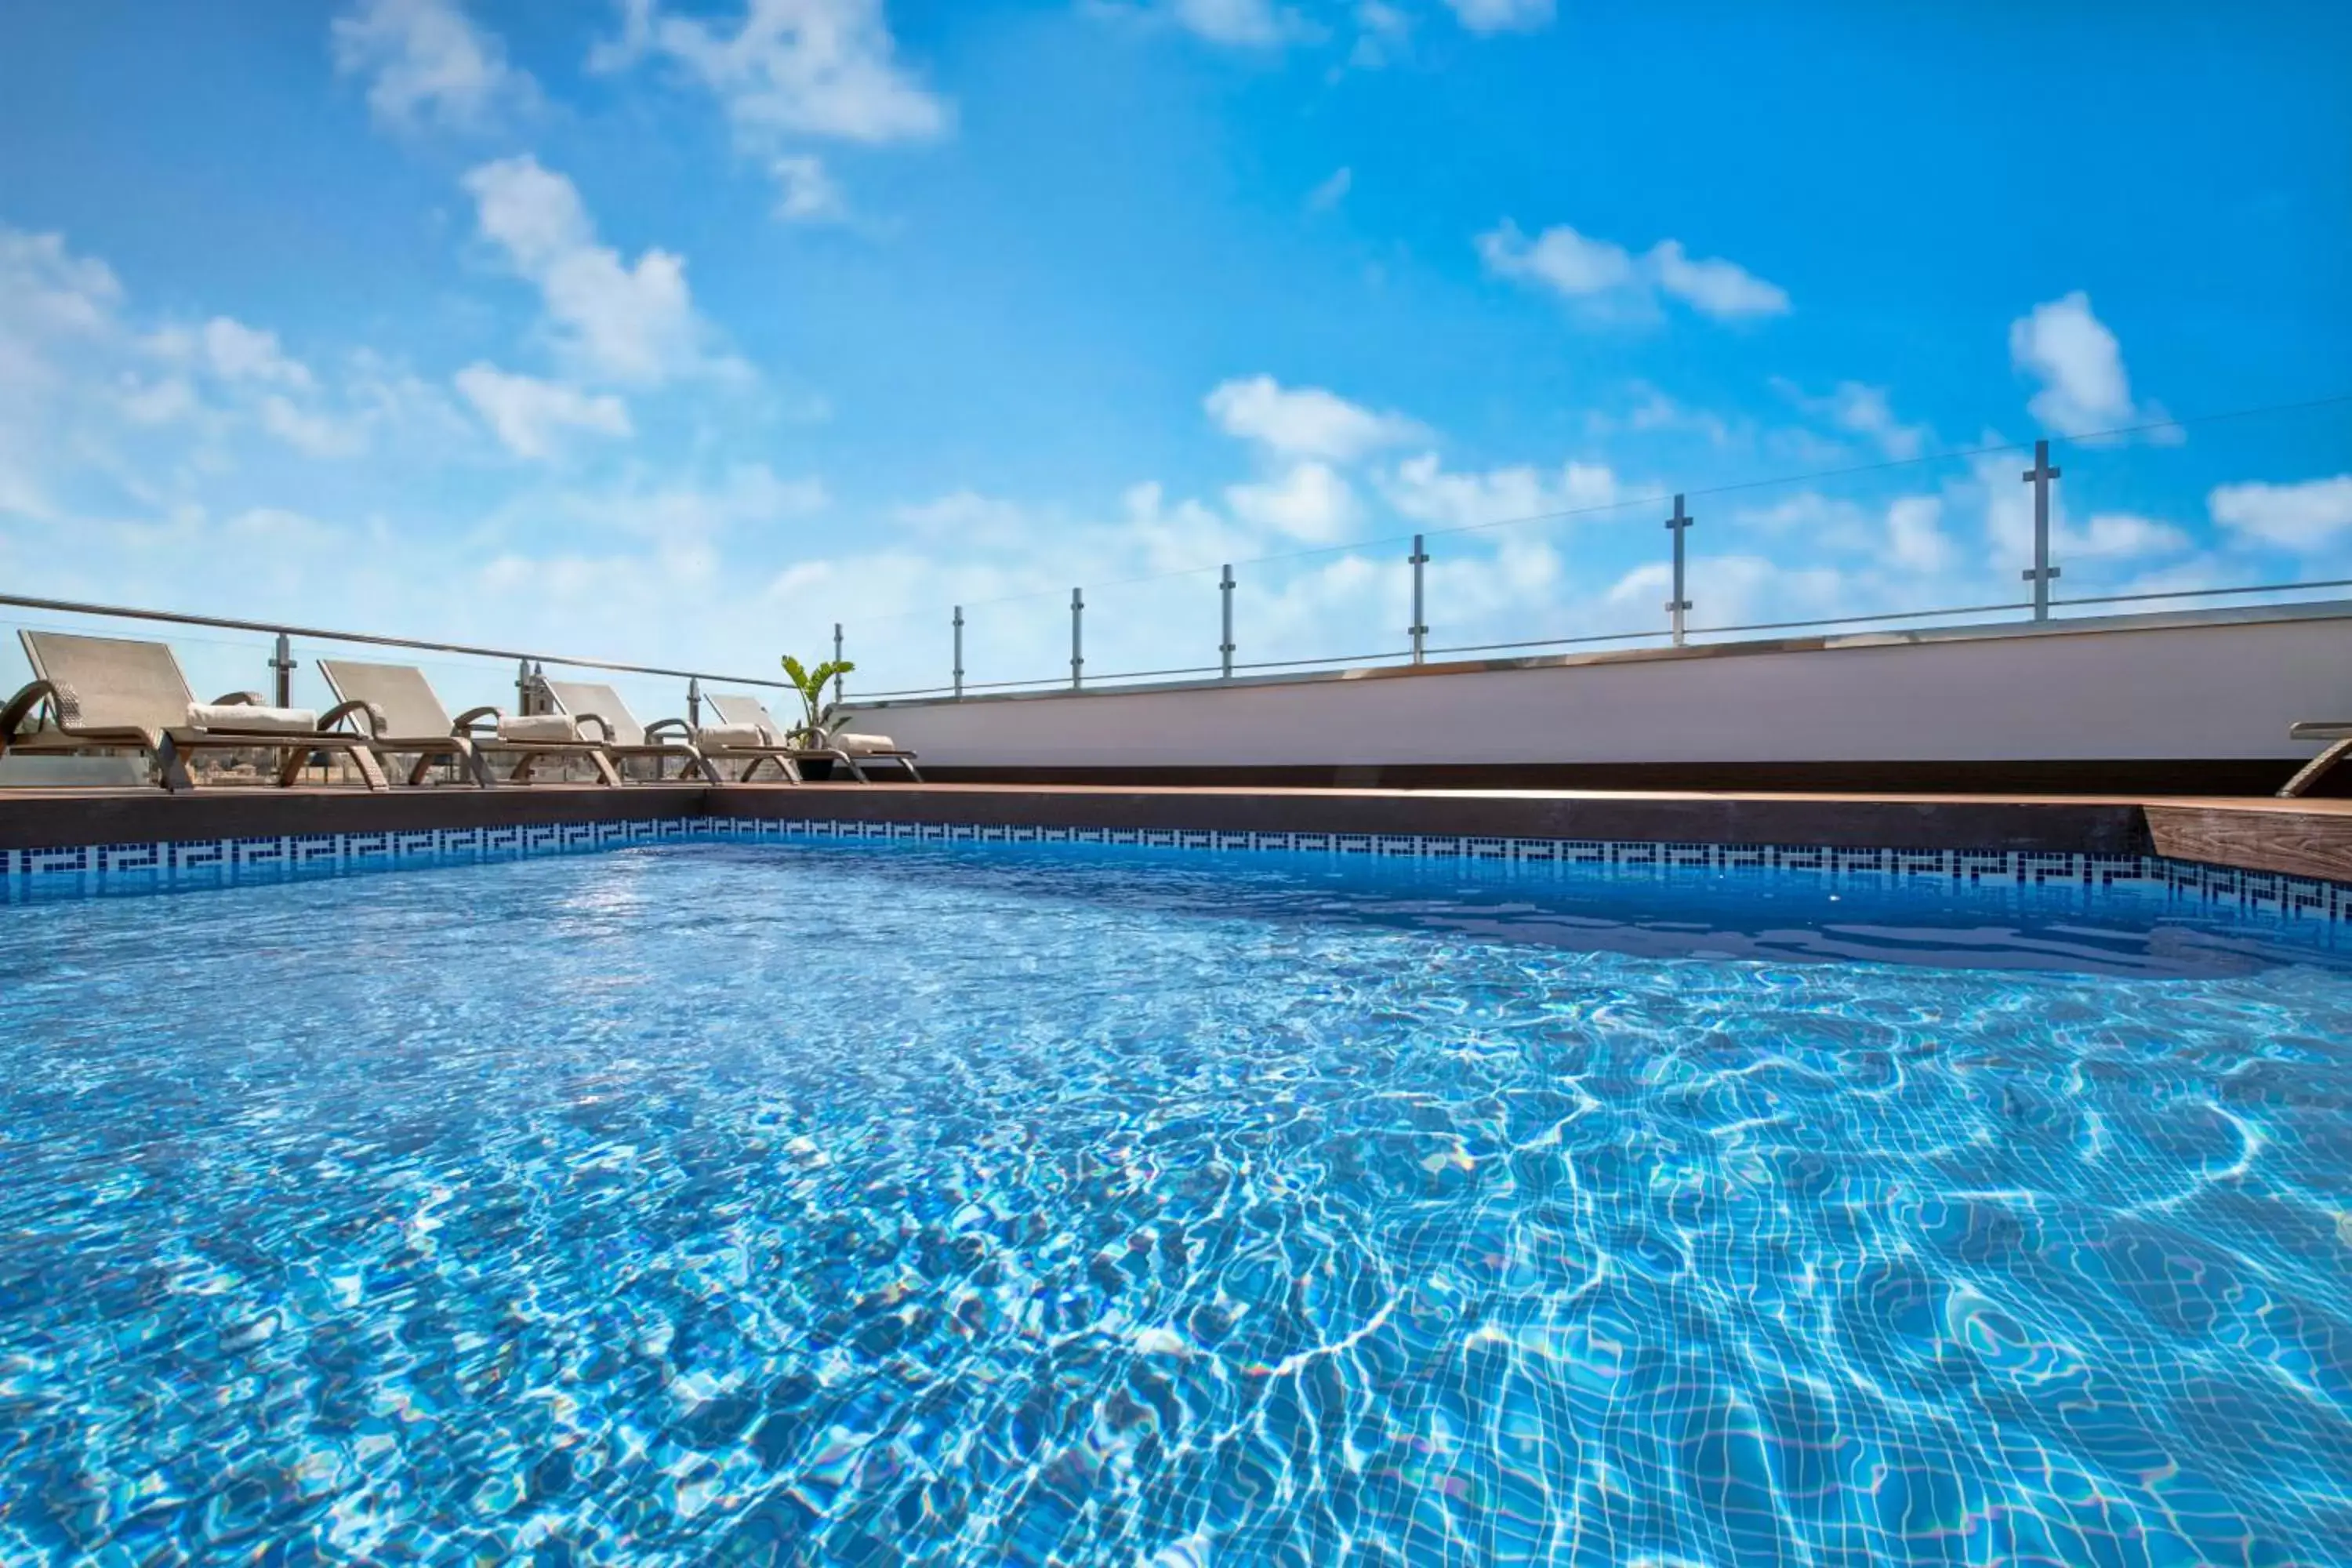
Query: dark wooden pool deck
[[2298, 837]]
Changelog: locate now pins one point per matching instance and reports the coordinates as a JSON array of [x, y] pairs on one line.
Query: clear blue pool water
[[893, 1203]]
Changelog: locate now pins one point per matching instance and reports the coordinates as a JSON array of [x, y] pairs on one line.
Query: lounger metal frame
[[59, 727]]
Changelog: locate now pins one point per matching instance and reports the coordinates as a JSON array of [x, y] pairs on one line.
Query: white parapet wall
[[2211, 685]]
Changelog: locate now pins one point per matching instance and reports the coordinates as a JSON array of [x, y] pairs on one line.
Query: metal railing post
[[2041, 573], [1077, 636], [1420, 627], [281, 666], [1226, 591], [840, 682], [958, 653], [522, 687], [1678, 606], [694, 702]]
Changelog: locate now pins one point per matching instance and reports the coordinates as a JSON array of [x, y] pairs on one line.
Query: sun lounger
[[741, 713], [89, 692], [403, 716], [2338, 733], [602, 716], [756, 743]]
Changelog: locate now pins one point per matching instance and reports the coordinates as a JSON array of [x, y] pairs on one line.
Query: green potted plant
[[816, 711]]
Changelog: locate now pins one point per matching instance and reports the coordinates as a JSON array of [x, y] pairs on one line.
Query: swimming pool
[[866, 1203]]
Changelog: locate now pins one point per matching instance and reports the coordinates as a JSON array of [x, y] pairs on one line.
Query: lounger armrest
[[661, 727], [376, 720], [239, 699], [472, 717], [21, 706], [604, 736]]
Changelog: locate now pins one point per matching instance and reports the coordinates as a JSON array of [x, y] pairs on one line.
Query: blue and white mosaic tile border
[[130, 867]]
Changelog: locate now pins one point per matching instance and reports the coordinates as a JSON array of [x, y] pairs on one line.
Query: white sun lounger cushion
[[721, 737], [860, 745], [245, 717], [538, 727]]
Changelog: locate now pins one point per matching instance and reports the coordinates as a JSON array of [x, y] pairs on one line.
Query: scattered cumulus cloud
[[2080, 364], [804, 190], [530, 417], [1305, 421], [1310, 502], [1657, 412], [2119, 536], [1383, 34], [2302, 516], [48, 293], [1331, 191], [426, 63], [790, 67], [1608, 280], [1251, 24], [2007, 506], [1419, 489], [231, 351], [631, 323], [311, 431], [1502, 15], [1860, 410], [1915, 540]]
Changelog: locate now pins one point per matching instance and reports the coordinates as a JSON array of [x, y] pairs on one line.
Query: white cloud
[[232, 351], [1304, 422], [1733, 590], [428, 62], [1251, 24], [2009, 522], [749, 494], [1421, 491], [1502, 15], [1860, 410], [805, 190], [1560, 258], [2079, 365], [1657, 412], [310, 431], [530, 417], [1714, 287], [2294, 517], [967, 519], [165, 401], [630, 323], [1310, 502], [1332, 190], [50, 290], [2120, 535], [1607, 279], [1915, 540], [1383, 32], [802, 68]]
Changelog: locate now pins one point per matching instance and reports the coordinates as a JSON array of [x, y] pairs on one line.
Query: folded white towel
[[245, 718], [864, 746], [538, 727], [721, 737]]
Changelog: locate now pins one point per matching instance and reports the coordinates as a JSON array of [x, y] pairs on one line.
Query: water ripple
[[893, 1204]]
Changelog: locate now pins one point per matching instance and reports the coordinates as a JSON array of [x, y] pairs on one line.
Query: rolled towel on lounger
[[246, 718], [862, 746], [538, 727], [727, 737]]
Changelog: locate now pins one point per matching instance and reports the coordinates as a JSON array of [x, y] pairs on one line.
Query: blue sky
[[679, 331]]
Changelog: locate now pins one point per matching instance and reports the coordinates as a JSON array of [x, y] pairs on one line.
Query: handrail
[[176, 617], [1044, 685]]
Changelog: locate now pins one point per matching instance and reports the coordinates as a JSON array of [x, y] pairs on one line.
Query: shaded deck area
[[2298, 837]]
